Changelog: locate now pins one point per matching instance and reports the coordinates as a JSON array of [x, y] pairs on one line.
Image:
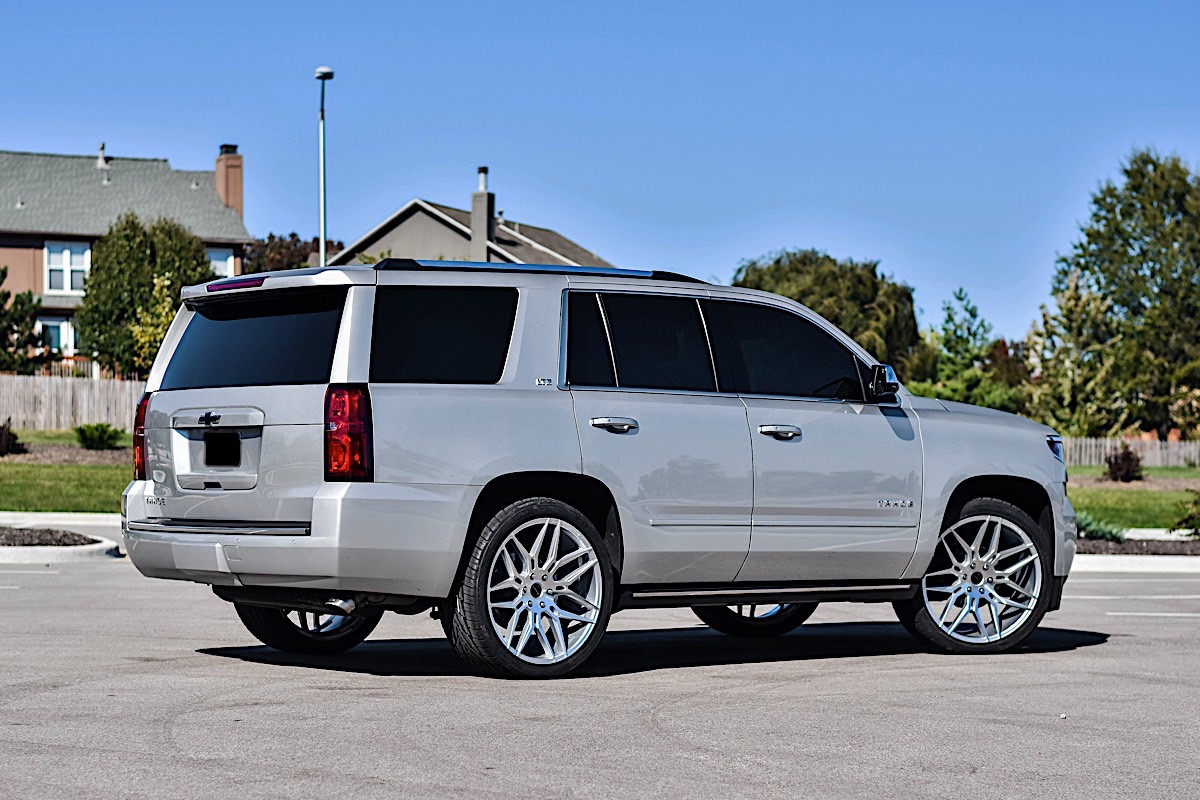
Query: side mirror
[[884, 384]]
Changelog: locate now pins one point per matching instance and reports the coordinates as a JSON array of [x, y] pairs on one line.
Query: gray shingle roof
[[68, 195], [511, 236]]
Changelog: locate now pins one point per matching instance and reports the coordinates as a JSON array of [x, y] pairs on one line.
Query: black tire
[[466, 617], [730, 622], [272, 627], [917, 620]]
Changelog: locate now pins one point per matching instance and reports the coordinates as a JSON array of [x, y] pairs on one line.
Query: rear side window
[[441, 334], [659, 342], [764, 350], [589, 361], [258, 339]]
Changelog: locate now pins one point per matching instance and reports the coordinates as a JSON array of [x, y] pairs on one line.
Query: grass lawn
[[74, 487], [58, 437], [1153, 472], [1129, 508]]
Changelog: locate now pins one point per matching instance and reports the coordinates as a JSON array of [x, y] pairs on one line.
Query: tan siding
[[24, 269]]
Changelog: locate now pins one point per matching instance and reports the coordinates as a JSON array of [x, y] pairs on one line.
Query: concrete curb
[[1095, 562], [102, 548]]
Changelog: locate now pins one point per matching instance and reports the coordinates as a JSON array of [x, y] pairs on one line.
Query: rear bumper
[[364, 537]]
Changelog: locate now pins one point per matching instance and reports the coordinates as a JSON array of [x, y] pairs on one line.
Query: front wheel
[[988, 584], [535, 594], [755, 621], [308, 632]]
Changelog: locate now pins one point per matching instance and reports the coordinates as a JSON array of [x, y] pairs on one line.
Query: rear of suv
[[524, 450]]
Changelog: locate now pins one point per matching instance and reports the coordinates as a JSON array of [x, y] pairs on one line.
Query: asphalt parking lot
[[113, 685]]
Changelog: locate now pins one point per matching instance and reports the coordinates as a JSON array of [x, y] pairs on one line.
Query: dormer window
[[67, 265]]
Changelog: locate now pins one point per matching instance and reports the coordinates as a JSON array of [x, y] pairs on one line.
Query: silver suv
[[526, 449]]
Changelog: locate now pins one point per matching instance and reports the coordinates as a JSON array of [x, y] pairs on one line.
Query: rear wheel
[[308, 632], [988, 585], [536, 593], [755, 621]]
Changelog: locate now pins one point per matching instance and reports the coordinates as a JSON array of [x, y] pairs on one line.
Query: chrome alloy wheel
[[544, 591], [984, 581], [759, 612], [317, 625]]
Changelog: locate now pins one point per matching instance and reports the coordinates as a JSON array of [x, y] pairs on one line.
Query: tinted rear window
[[441, 334], [659, 342], [589, 362], [258, 339]]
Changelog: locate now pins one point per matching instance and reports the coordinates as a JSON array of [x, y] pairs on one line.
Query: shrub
[[1189, 515], [1124, 465], [1092, 528], [8, 439], [100, 436]]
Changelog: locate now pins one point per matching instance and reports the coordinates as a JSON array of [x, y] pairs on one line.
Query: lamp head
[[324, 74]]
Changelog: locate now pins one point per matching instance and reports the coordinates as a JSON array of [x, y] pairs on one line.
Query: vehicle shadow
[[628, 652]]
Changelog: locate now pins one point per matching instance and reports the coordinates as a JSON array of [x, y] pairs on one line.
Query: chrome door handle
[[614, 424], [784, 433]]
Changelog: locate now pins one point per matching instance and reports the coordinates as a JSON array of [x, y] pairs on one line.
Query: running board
[[759, 594]]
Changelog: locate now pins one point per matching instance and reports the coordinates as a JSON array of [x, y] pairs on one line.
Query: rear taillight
[[139, 439], [348, 433]]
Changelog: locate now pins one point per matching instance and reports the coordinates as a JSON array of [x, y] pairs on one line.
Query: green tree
[[150, 326], [283, 252], [1140, 249], [22, 349], [970, 366], [1078, 390], [875, 310], [118, 284], [125, 263]]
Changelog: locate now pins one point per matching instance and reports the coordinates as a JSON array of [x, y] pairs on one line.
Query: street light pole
[[323, 74]]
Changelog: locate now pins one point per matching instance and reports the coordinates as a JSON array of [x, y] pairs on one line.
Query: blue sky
[[955, 143]]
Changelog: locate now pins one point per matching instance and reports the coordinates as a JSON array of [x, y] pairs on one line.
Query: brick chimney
[[229, 177], [483, 218]]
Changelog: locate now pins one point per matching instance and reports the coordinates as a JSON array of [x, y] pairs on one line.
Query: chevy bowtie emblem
[[208, 419]]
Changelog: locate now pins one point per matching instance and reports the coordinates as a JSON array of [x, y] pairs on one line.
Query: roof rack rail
[[557, 269]]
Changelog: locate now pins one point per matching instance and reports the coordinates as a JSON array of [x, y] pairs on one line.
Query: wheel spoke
[[547, 650], [537, 544], [977, 545], [552, 553], [578, 572], [576, 597], [564, 614], [1027, 560], [525, 632], [568, 558], [560, 637], [962, 615]]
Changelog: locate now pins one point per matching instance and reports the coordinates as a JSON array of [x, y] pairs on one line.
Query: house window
[[59, 334], [220, 259], [67, 265]]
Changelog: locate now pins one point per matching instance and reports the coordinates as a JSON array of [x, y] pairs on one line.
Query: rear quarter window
[[258, 339], [441, 334]]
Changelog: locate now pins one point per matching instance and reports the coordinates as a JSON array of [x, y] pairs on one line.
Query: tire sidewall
[[729, 622], [927, 628], [471, 616]]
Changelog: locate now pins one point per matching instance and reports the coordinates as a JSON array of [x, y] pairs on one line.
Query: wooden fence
[[1091, 452], [42, 402]]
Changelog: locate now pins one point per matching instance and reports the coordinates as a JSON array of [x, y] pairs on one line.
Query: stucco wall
[[24, 268], [419, 236]]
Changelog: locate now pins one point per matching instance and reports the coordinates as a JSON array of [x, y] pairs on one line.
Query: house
[[425, 230], [52, 207]]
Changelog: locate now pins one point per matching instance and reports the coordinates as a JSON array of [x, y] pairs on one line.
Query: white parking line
[[1131, 597], [1153, 614], [28, 572], [10, 587]]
